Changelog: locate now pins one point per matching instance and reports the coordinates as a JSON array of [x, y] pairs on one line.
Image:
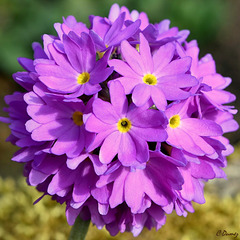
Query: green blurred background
[[216, 26]]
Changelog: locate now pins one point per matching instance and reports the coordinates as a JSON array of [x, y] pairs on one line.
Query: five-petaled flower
[[123, 129]]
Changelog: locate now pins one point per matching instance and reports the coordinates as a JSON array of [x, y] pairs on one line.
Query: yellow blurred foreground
[[20, 219]]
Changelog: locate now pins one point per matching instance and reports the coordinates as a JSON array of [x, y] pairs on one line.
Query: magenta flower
[[123, 129], [154, 77]]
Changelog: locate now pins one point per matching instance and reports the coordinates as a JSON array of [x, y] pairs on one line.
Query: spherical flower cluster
[[121, 121]]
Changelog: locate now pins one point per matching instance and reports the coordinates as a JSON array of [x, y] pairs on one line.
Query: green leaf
[[79, 229]]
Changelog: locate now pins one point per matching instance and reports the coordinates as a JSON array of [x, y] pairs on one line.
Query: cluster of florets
[[121, 121]]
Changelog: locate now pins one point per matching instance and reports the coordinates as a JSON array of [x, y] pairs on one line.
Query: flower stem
[[79, 229]]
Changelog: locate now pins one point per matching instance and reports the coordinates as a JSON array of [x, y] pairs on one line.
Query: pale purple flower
[[113, 33], [124, 130], [59, 121], [188, 133], [50, 169], [134, 15], [227, 123], [70, 24], [157, 77], [140, 188], [118, 219], [210, 89], [76, 72], [195, 174], [165, 32], [17, 119], [28, 78], [17, 111]]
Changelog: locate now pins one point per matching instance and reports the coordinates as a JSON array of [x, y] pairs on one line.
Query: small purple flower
[[79, 183], [164, 32], [140, 188], [70, 24], [124, 130], [28, 78], [190, 134], [76, 72], [195, 173], [99, 168], [113, 33], [115, 11], [211, 84], [227, 123], [52, 169], [156, 77], [58, 121], [18, 117]]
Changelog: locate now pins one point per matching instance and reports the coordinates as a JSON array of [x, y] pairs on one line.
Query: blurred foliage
[[235, 156], [24, 21], [19, 219]]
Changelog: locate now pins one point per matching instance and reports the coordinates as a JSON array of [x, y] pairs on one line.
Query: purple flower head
[[156, 77], [122, 121], [75, 72], [124, 130]]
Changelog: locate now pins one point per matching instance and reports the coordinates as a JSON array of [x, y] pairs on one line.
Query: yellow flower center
[[150, 79], [174, 121], [137, 47], [83, 78], [78, 118], [100, 54], [124, 125]]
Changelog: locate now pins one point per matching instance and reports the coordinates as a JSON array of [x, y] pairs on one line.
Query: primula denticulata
[[121, 121]]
